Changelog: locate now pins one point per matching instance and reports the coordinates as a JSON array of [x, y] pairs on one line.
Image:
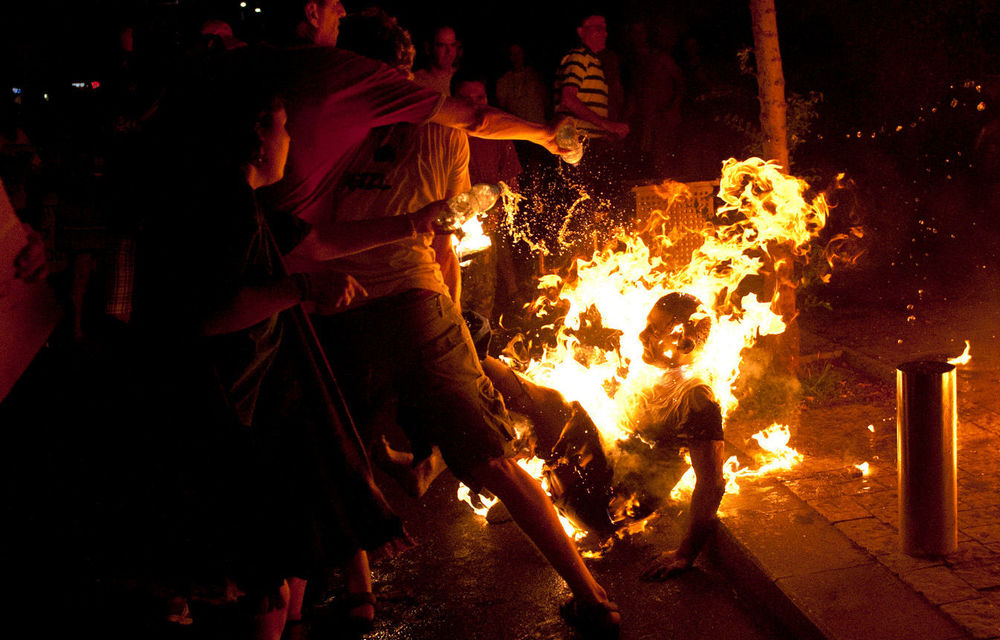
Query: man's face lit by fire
[[665, 343], [593, 32], [472, 90], [274, 145], [324, 16], [445, 48]]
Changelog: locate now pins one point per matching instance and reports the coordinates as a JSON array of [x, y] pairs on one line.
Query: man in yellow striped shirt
[[581, 89]]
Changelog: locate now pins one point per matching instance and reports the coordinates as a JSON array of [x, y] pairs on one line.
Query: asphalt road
[[471, 580]]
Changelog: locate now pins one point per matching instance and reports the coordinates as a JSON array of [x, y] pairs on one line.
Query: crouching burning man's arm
[[706, 460]]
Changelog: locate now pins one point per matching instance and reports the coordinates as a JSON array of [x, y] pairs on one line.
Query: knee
[[499, 475], [717, 487], [496, 468]]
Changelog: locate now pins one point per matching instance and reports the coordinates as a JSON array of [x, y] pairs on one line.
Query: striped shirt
[[582, 69]]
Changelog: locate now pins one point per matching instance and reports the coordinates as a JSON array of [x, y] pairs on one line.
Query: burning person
[[679, 413]]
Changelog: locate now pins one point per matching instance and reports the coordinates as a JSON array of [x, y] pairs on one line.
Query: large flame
[[765, 221]]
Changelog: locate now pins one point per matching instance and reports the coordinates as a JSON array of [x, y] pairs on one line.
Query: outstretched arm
[[254, 303], [706, 460], [569, 100], [484, 121]]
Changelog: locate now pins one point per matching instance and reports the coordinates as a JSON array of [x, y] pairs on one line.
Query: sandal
[[357, 622], [593, 619]]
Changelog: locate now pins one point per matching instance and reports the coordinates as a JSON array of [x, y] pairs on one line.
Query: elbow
[[478, 121]]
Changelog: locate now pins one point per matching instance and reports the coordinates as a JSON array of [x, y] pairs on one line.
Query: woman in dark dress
[[262, 475]]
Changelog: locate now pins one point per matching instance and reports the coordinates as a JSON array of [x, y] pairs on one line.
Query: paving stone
[[840, 508], [889, 478], [940, 585], [973, 551], [796, 542], [871, 534], [986, 534], [976, 464], [980, 617], [900, 563], [968, 518], [983, 417], [766, 496], [979, 500], [983, 482], [866, 602], [980, 575], [884, 506], [972, 434]]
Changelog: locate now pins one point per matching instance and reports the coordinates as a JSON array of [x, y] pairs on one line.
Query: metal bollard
[[926, 445]]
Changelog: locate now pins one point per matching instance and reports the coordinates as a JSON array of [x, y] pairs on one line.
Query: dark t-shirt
[[679, 408], [194, 263]]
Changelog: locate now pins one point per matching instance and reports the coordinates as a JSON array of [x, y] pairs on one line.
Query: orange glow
[[766, 220], [964, 358]]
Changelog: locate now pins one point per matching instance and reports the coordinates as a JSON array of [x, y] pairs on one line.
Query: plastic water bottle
[[480, 198], [568, 137]]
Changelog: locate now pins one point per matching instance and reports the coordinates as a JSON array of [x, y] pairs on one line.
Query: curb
[[805, 573], [814, 581]]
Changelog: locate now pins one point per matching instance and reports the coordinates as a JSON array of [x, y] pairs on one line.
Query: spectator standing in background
[[444, 50], [582, 93], [655, 91], [581, 86], [490, 161], [520, 90]]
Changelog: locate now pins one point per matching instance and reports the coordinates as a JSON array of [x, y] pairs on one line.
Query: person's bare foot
[[414, 478]]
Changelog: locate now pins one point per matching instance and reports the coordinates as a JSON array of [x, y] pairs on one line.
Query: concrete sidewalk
[[819, 546]]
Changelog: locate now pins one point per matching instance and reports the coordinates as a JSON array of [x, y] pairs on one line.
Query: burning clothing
[[680, 407], [679, 410]]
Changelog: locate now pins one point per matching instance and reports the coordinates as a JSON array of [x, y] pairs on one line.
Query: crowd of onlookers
[[256, 280], [70, 149]]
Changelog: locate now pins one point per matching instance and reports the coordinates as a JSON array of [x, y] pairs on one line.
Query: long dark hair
[[205, 134]]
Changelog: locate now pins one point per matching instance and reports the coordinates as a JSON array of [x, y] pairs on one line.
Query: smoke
[[765, 390]]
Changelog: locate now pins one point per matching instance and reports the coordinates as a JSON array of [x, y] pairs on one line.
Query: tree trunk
[[770, 81], [771, 85]]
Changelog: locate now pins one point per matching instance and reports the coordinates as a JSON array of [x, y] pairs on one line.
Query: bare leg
[[359, 581], [534, 513], [269, 625], [296, 595]]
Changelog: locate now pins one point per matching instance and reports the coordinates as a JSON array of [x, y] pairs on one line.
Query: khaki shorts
[[413, 349]]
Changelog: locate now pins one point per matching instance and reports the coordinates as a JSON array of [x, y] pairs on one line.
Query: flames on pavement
[[594, 315]]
